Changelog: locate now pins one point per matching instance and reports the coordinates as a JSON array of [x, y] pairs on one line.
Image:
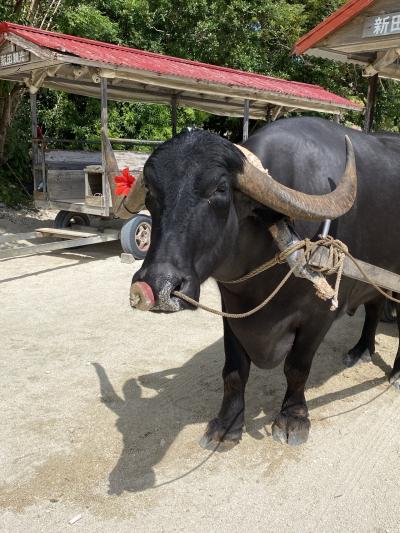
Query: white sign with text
[[381, 25], [13, 58]]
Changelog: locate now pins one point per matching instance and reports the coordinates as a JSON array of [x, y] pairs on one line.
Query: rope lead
[[338, 251]]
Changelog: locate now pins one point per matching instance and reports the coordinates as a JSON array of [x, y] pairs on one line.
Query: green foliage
[[245, 34], [16, 173], [387, 111], [144, 121], [87, 21], [68, 116], [77, 119]]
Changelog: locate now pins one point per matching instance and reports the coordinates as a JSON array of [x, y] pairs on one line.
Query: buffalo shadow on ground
[[191, 394]]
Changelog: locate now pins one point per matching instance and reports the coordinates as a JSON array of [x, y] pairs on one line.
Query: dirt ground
[[103, 407]]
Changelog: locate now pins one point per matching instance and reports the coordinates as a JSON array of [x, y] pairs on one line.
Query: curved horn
[[123, 206], [259, 185]]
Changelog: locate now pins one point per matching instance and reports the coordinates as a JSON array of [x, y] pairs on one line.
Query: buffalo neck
[[254, 246]]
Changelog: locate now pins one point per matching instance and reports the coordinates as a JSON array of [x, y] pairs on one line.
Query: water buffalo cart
[[74, 181]]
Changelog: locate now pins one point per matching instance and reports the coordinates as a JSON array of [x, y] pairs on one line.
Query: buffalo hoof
[[394, 380], [217, 432], [289, 429], [355, 357]]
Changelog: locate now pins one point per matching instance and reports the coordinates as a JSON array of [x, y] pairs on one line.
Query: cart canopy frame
[[364, 33], [73, 64]]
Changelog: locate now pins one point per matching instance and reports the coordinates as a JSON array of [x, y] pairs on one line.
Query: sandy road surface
[[102, 408]]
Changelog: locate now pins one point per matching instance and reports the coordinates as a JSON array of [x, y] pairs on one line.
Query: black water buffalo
[[210, 218]]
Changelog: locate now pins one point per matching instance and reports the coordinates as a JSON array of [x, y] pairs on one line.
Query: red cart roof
[[332, 23], [173, 67]]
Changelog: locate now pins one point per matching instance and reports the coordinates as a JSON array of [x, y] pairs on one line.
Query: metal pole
[[246, 117], [104, 126], [326, 227], [336, 118], [371, 103], [174, 114]]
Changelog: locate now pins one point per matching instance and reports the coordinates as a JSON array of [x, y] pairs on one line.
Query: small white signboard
[[13, 58], [382, 25]]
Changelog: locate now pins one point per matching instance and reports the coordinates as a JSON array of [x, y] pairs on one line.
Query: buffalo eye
[[221, 188]]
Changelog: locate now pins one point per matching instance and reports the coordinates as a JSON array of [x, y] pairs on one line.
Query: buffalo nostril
[[141, 296], [178, 287]]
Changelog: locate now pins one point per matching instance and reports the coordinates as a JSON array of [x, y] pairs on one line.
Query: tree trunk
[[33, 8], [18, 6], [10, 104], [28, 10]]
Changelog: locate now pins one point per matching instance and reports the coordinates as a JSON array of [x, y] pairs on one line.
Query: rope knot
[[334, 264]]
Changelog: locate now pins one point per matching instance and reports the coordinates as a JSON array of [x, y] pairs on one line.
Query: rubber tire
[[127, 236], [67, 219], [389, 312]]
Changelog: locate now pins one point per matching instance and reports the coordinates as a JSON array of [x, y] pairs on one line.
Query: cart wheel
[[67, 219], [135, 236], [389, 312]]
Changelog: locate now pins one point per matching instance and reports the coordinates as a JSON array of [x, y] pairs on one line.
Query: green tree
[[14, 152], [245, 34]]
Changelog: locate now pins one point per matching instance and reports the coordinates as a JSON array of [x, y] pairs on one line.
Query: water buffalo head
[[195, 184]]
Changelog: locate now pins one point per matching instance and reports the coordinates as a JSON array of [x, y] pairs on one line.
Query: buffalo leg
[[365, 347], [395, 374], [228, 425], [292, 424]]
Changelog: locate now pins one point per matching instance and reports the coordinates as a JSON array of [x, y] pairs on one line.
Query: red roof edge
[[13, 28], [30, 34], [332, 23]]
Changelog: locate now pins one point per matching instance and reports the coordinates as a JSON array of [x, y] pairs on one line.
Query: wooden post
[[174, 114], [104, 126], [35, 146], [246, 117], [34, 123], [371, 101], [104, 108], [275, 112], [268, 117]]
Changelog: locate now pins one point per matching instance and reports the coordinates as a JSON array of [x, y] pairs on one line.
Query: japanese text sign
[[13, 58], [382, 25]]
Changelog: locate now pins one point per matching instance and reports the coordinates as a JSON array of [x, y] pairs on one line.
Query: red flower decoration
[[124, 183]]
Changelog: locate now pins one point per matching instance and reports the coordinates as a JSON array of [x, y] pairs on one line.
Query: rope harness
[[338, 251]]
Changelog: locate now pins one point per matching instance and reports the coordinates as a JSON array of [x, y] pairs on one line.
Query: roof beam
[[210, 88], [276, 112], [120, 93], [367, 46], [384, 60], [39, 51], [88, 85], [37, 77], [390, 72], [196, 86], [15, 70]]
